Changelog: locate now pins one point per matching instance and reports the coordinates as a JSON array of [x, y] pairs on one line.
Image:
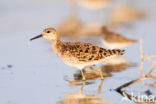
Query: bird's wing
[[88, 52], [115, 37]]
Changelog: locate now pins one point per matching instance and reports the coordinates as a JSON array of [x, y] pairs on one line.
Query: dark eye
[[48, 31]]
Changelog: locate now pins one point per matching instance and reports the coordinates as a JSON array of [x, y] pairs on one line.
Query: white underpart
[[114, 45], [116, 61], [81, 66]]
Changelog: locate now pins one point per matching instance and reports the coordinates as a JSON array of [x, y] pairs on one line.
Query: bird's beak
[[39, 36]]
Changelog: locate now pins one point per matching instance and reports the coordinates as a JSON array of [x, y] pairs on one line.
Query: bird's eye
[[48, 31]]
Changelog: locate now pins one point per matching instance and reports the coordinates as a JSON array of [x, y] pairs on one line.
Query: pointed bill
[[39, 36]]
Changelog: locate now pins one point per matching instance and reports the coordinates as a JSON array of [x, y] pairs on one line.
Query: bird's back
[[112, 37], [85, 52]]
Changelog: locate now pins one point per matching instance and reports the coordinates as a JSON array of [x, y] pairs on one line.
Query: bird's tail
[[117, 52]]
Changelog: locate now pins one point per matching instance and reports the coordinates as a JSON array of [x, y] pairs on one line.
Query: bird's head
[[48, 33]]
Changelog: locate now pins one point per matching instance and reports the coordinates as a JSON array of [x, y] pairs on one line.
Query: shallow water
[[38, 76]]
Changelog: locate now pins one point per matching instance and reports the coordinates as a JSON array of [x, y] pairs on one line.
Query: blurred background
[[31, 73]]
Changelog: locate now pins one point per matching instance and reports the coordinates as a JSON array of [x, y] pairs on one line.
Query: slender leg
[[83, 76], [100, 70], [100, 86], [83, 84]]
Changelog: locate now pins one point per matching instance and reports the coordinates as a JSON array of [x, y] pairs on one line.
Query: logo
[[138, 98]]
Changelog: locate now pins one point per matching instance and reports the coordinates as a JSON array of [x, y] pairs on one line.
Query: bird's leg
[[100, 86], [83, 76], [100, 70], [83, 84]]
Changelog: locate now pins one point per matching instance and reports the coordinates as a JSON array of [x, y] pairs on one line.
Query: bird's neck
[[105, 31], [55, 45]]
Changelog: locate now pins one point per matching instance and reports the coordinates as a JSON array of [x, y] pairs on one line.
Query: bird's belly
[[74, 62], [115, 45], [80, 65]]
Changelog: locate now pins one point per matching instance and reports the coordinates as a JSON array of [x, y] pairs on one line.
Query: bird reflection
[[117, 65], [80, 82], [124, 14], [90, 74], [80, 98], [111, 65]]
